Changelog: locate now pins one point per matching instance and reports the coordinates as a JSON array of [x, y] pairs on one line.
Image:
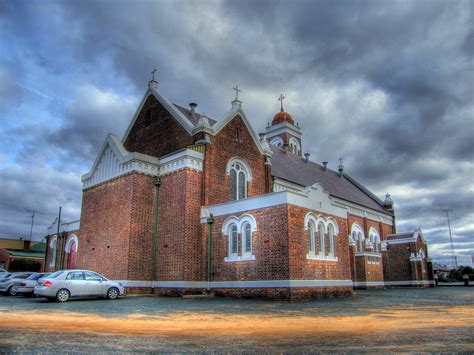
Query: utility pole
[[33, 219], [453, 255]]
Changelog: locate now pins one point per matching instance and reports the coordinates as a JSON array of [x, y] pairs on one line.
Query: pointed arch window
[[247, 240], [239, 232], [239, 176]]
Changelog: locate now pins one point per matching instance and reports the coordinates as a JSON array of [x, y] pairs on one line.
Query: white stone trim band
[[393, 283]]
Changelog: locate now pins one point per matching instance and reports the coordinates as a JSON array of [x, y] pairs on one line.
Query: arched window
[[322, 243], [331, 240], [233, 242], [374, 238], [239, 174], [247, 240], [277, 142], [311, 242], [239, 231], [358, 236], [294, 146]]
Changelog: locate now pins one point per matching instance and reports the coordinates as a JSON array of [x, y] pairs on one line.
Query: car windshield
[[54, 274], [34, 277], [6, 276]]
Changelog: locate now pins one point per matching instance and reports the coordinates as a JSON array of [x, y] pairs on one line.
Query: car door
[[75, 283], [94, 284]]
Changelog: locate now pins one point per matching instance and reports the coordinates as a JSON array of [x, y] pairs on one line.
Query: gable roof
[[167, 104], [293, 168]]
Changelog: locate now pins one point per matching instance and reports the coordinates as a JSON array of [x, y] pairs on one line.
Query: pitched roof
[[25, 253], [405, 235], [192, 118], [293, 168]]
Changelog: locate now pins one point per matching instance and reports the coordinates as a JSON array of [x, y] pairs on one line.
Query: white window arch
[[294, 145], [72, 238], [321, 234], [358, 236], [54, 246], [240, 174], [239, 231], [277, 142], [374, 238]]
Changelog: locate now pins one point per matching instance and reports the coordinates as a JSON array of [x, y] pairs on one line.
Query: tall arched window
[[374, 238], [322, 242], [240, 175], [358, 236], [247, 240], [331, 240], [311, 244], [233, 242], [360, 242]]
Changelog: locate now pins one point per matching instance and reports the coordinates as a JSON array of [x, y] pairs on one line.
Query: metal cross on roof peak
[[281, 98], [340, 160], [237, 90], [153, 74]]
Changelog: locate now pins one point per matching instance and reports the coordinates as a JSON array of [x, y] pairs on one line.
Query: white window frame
[[358, 235], [240, 223], [244, 167], [314, 221], [374, 238]]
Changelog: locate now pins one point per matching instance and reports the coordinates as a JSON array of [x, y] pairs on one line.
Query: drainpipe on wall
[[210, 222], [63, 243], [157, 184], [57, 239], [46, 253]]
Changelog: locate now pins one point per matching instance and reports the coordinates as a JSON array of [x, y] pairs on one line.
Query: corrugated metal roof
[[400, 236], [295, 169], [25, 253]]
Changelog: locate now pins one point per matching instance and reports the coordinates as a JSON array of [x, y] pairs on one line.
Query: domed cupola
[[282, 116], [283, 132]]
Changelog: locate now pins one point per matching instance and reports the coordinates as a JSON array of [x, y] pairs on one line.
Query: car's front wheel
[[112, 293], [63, 295], [11, 292]]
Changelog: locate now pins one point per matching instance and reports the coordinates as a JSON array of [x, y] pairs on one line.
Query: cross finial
[[281, 98], [153, 74], [237, 90], [340, 160]]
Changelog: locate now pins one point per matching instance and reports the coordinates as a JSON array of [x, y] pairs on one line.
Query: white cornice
[[283, 127]]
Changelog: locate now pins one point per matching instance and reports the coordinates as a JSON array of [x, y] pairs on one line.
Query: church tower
[[283, 132]]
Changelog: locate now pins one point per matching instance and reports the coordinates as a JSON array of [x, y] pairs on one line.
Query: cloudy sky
[[386, 84]]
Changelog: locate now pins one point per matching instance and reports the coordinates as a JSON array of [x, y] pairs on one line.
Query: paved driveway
[[380, 320]]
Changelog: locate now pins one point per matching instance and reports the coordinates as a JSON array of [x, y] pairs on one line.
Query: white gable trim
[[168, 105], [114, 160], [229, 117]]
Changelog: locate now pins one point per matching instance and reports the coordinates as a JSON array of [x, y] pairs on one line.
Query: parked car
[[3, 271], [6, 284], [65, 284], [27, 286]]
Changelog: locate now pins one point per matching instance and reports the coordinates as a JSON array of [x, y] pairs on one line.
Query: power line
[[453, 255], [33, 219]]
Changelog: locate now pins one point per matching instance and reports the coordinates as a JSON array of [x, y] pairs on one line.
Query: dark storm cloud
[[386, 84]]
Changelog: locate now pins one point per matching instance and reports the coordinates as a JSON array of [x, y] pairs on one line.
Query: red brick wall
[[156, 132], [270, 247], [225, 146], [116, 215], [5, 258], [180, 255], [397, 262], [303, 268]]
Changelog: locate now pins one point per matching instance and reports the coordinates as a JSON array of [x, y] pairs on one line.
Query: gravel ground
[[396, 320]]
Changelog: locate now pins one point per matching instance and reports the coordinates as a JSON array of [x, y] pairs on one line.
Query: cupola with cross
[[283, 132]]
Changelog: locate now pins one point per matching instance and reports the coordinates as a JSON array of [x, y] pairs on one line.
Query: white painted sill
[[321, 257], [239, 258]]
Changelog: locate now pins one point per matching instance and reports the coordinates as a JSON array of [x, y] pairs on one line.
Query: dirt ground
[[422, 321]]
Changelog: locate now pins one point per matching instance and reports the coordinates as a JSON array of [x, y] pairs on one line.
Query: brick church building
[[184, 204]]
